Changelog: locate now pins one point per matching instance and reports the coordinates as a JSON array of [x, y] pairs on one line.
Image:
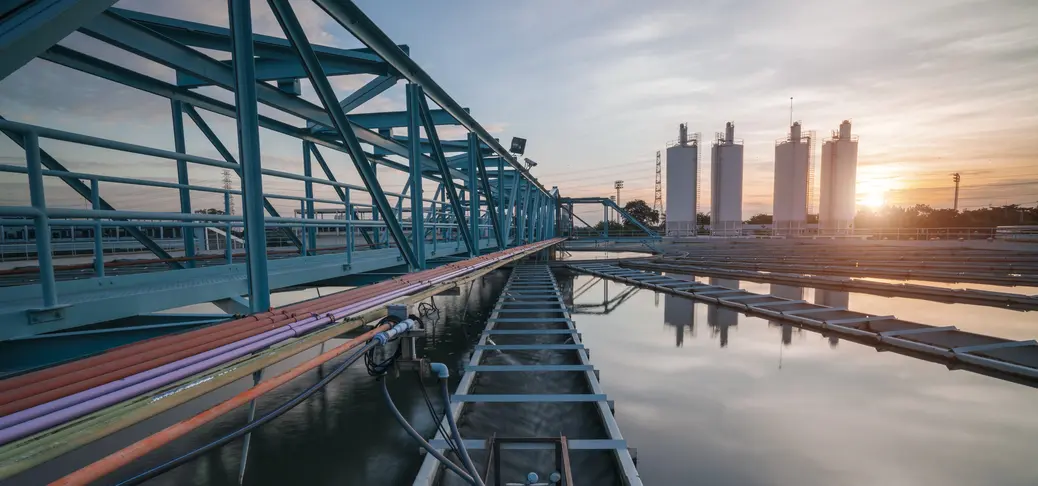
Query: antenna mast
[[227, 186], [657, 204]]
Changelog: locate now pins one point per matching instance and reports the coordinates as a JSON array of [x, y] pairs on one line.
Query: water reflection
[[822, 415], [786, 292], [680, 313], [720, 319], [833, 298]]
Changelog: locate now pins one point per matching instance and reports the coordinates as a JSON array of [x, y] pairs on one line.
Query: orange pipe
[[126, 455]]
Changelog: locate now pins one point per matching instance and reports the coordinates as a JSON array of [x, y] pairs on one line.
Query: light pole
[[956, 177], [618, 185]]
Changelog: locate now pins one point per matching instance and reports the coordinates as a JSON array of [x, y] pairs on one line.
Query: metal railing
[[40, 231]]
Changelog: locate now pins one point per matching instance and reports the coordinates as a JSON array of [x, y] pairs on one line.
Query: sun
[[872, 194], [874, 199]]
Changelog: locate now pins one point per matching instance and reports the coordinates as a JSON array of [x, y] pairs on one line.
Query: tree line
[[917, 216]]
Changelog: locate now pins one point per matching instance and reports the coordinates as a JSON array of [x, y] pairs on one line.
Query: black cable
[[277, 412], [438, 420], [379, 368], [463, 474]]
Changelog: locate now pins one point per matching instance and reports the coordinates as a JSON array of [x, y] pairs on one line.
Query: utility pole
[[956, 177], [657, 203]]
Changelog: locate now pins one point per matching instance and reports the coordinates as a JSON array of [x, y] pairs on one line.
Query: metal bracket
[[50, 314]]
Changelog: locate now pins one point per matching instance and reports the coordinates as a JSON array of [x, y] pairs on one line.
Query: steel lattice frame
[[483, 199]]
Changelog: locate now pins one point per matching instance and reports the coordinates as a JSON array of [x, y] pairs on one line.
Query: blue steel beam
[[282, 69], [209, 134], [103, 69], [308, 191], [448, 181], [128, 35], [130, 295], [84, 191], [525, 214], [500, 198], [219, 39], [31, 28], [609, 203], [290, 25], [348, 15], [414, 122], [513, 201], [245, 102], [473, 184], [396, 119], [364, 232], [365, 93], [492, 213], [362, 95], [188, 234]]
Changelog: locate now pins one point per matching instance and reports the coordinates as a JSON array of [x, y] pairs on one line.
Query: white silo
[[726, 184], [792, 182], [838, 181], [682, 184]]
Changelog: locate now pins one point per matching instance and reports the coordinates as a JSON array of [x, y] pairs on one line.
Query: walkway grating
[[524, 323]]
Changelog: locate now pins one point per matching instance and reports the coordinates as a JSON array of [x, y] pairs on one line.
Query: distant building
[[682, 184], [792, 182], [726, 167], [838, 181]]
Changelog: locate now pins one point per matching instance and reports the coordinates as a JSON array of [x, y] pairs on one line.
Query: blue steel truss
[[566, 204], [462, 197]]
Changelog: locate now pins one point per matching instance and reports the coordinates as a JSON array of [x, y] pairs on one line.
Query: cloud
[[932, 87]]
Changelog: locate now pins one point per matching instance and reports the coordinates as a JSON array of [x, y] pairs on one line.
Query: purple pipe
[[44, 416], [299, 327]]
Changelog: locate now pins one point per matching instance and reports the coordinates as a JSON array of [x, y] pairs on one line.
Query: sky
[[931, 87]]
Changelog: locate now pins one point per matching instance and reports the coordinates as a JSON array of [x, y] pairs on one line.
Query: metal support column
[[187, 232], [99, 247], [414, 121], [308, 188], [524, 231], [247, 117], [473, 184], [492, 212], [501, 203], [512, 231], [39, 202]]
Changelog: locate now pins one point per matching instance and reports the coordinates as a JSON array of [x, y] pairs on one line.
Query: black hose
[[421, 441], [273, 414], [437, 419], [457, 435]]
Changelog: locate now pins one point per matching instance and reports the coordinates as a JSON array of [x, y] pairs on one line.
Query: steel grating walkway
[[1002, 358], [532, 290]]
